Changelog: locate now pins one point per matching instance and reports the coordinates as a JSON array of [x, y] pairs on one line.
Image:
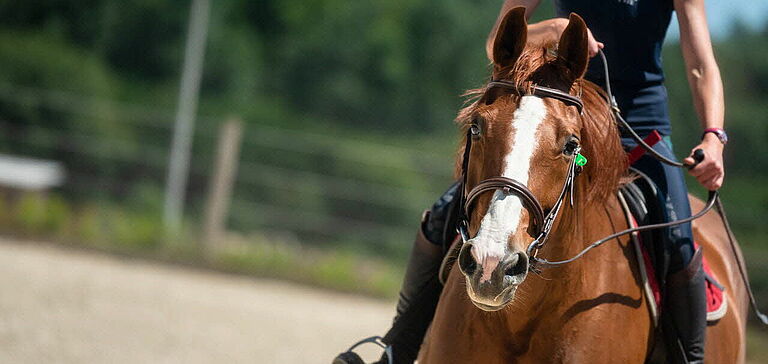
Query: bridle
[[541, 223]]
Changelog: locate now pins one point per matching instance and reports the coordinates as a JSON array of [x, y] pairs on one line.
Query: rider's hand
[[710, 172], [593, 44]]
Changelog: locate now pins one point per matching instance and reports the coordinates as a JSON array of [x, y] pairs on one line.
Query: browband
[[540, 91]]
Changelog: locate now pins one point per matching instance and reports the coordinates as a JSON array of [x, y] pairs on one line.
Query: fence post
[[183, 130], [220, 184]]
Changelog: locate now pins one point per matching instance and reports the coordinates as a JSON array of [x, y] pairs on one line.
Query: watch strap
[[719, 132]]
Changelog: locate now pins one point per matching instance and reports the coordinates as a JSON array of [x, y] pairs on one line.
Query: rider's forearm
[[538, 33], [546, 30], [701, 67], [707, 92], [530, 6]]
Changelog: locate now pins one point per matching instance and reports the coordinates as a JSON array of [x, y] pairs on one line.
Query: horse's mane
[[599, 134]]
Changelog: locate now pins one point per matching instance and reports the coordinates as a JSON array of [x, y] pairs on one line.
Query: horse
[[492, 308]]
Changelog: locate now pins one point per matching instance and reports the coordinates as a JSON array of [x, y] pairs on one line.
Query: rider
[[631, 32]]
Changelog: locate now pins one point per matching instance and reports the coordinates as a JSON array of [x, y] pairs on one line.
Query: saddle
[[643, 205]]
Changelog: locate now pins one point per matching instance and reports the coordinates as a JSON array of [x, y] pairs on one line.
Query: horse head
[[530, 139]]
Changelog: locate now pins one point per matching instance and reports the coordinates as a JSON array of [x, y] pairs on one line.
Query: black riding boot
[[421, 287], [418, 299], [415, 307], [687, 307], [423, 265]]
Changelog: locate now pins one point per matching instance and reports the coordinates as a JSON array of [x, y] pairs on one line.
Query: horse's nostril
[[467, 262], [516, 265]]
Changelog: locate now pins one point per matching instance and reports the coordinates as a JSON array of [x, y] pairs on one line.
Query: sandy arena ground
[[59, 305]]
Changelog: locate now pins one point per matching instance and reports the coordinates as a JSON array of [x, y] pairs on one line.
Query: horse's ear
[[510, 38], [573, 49]]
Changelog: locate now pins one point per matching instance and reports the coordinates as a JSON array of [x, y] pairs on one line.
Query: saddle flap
[[643, 203]]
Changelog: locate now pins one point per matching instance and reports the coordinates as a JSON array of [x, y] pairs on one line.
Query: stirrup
[[350, 357]]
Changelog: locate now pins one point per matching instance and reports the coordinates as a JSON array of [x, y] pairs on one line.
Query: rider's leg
[[686, 299], [421, 288], [428, 248]]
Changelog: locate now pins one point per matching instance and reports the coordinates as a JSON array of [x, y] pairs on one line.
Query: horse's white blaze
[[504, 213]]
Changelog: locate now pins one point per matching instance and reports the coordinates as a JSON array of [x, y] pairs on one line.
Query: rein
[[712, 200]]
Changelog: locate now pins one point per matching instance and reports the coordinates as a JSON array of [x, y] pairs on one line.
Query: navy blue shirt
[[633, 32]]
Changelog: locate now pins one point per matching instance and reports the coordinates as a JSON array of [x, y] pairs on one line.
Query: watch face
[[719, 133], [723, 137]]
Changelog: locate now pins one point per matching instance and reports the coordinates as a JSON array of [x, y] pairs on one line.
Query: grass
[[757, 344], [338, 270], [139, 232]]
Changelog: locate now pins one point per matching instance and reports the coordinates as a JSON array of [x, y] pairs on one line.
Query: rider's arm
[[706, 87], [544, 31]]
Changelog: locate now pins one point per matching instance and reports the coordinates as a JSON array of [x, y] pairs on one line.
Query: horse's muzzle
[[491, 283]]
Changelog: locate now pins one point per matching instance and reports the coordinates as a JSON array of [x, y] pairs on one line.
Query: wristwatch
[[719, 132]]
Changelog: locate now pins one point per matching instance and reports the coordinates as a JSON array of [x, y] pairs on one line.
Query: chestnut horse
[[593, 309]]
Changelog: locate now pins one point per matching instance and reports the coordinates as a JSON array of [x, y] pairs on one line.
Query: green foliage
[[51, 216], [35, 63], [88, 228], [341, 269], [757, 350], [137, 230], [142, 39], [36, 213], [35, 60]]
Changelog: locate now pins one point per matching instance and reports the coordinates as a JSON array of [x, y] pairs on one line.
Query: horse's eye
[[571, 145], [474, 130]]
